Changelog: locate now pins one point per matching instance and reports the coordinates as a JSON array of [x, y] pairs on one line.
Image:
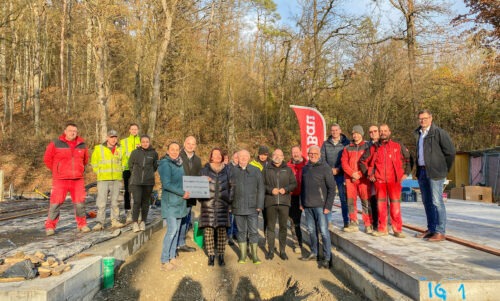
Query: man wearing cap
[[262, 159], [107, 164], [355, 182], [66, 157], [435, 156], [261, 162]]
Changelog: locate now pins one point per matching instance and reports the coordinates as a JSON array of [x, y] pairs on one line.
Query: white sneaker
[[116, 224], [97, 227], [142, 226], [135, 227]]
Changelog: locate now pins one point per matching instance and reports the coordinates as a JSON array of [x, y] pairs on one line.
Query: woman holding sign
[[173, 204], [214, 215]]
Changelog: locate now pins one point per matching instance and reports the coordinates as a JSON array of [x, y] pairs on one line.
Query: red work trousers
[[60, 189], [354, 189], [391, 191]]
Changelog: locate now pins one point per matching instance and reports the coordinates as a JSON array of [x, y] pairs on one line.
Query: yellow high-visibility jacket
[[106, 165], [128, 145]]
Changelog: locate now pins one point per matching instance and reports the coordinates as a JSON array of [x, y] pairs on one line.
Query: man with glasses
[[331, 152], [435, 156], [318, 192], [279, 182]]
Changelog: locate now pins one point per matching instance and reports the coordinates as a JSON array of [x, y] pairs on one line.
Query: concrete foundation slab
[[433, 271]]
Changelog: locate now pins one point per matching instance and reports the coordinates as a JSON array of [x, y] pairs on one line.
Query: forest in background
[[226, 71]]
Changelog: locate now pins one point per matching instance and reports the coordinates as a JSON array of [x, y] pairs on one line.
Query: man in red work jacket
[[356, 182], [66, 157], [387, 163]]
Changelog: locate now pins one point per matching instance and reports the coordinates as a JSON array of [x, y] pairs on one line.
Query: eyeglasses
[[423, 119], [370, 132], [313, 154]]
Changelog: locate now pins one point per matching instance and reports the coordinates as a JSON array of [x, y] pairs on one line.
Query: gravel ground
[[140, 278]]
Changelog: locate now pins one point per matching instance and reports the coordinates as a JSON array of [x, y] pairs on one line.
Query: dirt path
[[140, 278]]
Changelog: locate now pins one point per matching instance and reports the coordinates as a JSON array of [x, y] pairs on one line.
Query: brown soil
[[140, 278]]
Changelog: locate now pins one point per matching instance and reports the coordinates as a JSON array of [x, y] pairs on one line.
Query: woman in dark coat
[[215, 210], [143, 163]]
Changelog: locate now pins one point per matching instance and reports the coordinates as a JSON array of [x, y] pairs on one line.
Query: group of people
[[133, 161], [241, 188]]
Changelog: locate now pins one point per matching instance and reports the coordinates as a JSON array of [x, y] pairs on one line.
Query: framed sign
[[197, 187]]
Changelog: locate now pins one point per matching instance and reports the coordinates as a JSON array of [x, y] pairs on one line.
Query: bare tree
[[169, 10]]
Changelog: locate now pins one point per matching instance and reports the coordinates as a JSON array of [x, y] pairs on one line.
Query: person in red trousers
[[356, 183], [66, 157], [386, 164]]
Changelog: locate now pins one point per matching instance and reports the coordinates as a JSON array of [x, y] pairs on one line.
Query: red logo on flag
[[312, 127]]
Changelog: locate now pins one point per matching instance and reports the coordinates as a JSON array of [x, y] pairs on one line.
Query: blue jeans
[[432, 197], [184, 228], [232, 231], [339, 180], [315, 218], [169, 245]]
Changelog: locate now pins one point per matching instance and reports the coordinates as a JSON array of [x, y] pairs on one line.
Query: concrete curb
[[364, 280], [82, 282]]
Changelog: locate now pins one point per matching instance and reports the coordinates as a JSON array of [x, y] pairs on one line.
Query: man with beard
[[386, 164], [279, 181]]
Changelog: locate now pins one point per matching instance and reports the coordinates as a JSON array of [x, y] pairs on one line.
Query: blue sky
[[288, 8]]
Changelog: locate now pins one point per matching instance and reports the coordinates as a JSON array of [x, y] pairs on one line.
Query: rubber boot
[[253, 250], [243, 252]]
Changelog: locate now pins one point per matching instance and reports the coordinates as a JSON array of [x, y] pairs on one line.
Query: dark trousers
[[295, 215], [247, 228], [374, 210], [279, 212], [126, 196], [142, 200]]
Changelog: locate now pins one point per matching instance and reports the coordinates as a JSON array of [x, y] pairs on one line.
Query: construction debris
[[23, 266]]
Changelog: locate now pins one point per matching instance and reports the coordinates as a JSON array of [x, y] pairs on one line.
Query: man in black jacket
[[279, 181], [435, 156], [318, 192], [247, 200], [192, 167]]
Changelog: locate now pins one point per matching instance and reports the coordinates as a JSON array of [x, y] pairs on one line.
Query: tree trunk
[[69, 81], [162, 51], [88, 61], [37, 69], [61, 47], [100, 53], [410, 42]]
